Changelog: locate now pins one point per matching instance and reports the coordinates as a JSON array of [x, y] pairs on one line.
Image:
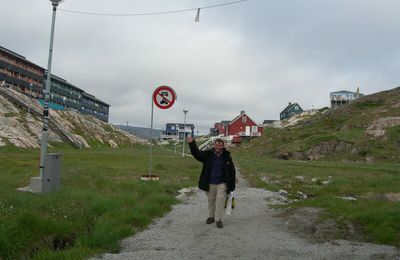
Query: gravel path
[[251, 232]]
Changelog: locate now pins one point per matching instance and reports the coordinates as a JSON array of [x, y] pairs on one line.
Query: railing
[[209, 143], [36, 109], [206, 145], [169, 137], [252, 134], [334, 98]]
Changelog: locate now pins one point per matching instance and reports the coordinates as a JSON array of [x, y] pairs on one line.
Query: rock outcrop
[[317, 152], [21, 129], [377, 128]]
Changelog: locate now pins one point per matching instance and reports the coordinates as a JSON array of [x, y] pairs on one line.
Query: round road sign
[[164, 97]]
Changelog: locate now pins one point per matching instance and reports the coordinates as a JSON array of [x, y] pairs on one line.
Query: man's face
[[218, 147]]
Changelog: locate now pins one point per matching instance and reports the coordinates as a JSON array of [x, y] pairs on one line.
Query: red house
[[240, 127], [220, 128]]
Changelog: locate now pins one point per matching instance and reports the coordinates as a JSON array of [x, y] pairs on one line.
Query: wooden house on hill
[[290, 110], [343, 97], [240, 127], [177, 131]]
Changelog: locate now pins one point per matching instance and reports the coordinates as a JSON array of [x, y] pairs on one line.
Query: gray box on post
[[52, 172]]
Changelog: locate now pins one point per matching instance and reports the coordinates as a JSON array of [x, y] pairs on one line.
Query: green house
[[290, 110]]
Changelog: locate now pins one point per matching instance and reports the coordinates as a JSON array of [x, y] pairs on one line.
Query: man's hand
[[189, 139]]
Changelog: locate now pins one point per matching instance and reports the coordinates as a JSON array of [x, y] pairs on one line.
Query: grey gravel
[[251, 232]]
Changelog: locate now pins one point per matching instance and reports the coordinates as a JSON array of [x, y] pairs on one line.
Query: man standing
[[217, 177]]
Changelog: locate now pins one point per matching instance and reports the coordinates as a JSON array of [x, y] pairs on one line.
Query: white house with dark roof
[[343, 97]]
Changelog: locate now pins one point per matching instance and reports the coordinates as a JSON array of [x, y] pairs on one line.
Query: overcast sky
[[255, 56]]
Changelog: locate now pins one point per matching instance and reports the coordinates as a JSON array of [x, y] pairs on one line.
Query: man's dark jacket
[[206, 158]]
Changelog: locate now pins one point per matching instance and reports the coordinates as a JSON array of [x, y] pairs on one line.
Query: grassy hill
[[345, 162], [366, 129]]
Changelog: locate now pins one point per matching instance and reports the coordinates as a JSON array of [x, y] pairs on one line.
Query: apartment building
[[20, 74], [26, 77]]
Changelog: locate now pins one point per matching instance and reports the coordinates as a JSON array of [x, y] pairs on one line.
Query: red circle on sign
[[164, 97]]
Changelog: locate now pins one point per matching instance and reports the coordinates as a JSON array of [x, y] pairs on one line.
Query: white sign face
[[164, 97]]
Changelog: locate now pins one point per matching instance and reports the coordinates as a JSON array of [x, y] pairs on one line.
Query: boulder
[[377, 128], [342, 146], [265, 179], [112, 143], [283, 156], [296, 155], [370, 159], [82, 141], [348, 198], [301, 195], [283, 193]]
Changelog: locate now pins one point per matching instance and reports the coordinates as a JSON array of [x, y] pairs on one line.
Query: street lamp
[[184, 131], [45, 133], [176, 135]]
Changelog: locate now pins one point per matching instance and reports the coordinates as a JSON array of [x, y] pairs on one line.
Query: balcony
[[251, 134], [341, 98]]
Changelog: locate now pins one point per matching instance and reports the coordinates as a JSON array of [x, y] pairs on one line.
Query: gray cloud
[[255, 56]]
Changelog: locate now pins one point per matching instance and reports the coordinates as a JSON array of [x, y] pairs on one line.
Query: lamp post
[[177, 135], [184, 131], [45, 133]]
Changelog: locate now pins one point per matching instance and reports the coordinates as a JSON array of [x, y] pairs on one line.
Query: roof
[[289, 107], [64, 81], [18, 56], [268, 121], [343, 92], [94, 98], [179, 124], [239, 116]]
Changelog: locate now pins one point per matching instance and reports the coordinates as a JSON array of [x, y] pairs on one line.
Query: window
[[296, 108], [254, 128], [244, 119]]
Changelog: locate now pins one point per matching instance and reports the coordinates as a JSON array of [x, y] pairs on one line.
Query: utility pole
[[45, 132]]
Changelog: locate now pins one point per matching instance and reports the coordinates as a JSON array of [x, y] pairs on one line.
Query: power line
[[152, 13]]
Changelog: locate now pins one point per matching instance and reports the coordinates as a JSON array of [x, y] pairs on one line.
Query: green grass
[[101, 201], [378, 218], [108, 128]]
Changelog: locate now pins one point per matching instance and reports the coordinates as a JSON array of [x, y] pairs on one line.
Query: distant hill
[[367, 129], [141, 132]]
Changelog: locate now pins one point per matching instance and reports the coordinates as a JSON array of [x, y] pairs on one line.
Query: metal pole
[[184, 132], [177, 135], [151, 137], [45, 133]]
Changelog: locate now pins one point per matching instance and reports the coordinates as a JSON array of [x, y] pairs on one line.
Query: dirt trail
[[251, 232]]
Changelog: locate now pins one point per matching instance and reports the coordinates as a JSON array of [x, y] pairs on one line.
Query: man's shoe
[[219, 224], [210, 220]]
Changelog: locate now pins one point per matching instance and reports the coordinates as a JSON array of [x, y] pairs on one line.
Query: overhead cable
[[152, 13]]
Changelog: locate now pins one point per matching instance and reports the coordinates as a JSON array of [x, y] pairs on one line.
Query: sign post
[[164, 97]]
